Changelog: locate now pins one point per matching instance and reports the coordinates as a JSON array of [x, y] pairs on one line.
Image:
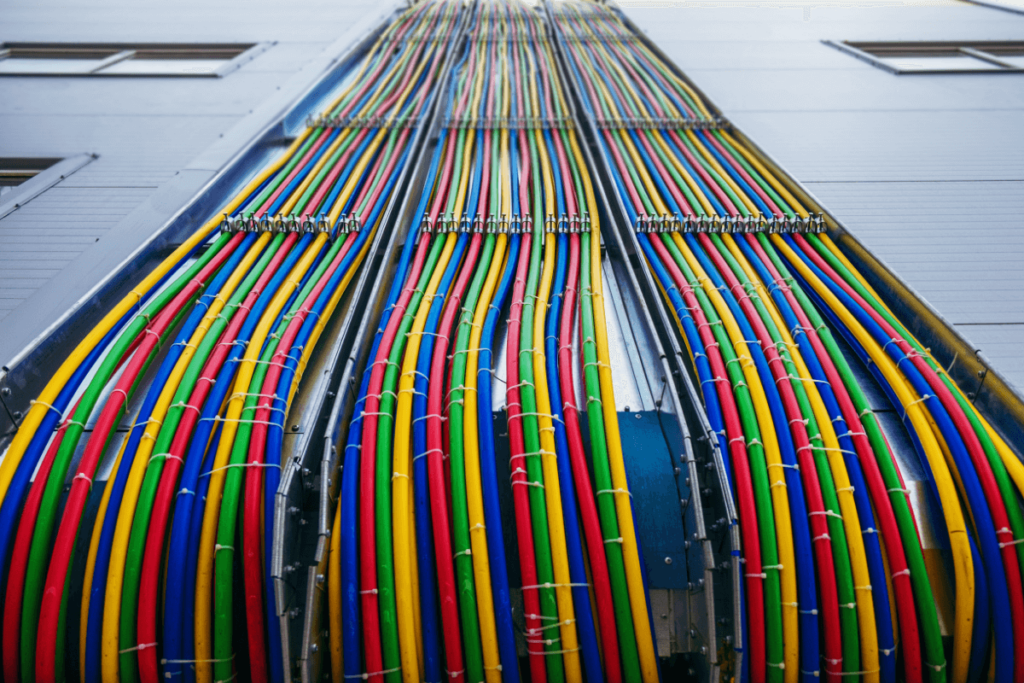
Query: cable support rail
[[514, 224], [286, 223], [664, 123], [360, 122], [771, 225], [512, 123]]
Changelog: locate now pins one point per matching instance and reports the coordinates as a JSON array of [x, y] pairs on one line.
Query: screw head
[[668, 560]]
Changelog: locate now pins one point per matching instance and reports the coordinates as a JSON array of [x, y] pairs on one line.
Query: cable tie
[[372, 591], [869, 530], [195, 661], [367, 676], [540, 586], [241, 464], [823, 537], [862, 588], [166, 456], [44, 403], [812, 612], [1014, 542], [218, 547], [137, 648], [780, 665], [898, 490], [614, 540], [613, 491], [772, 566], [827, 513], [467, 551], [83, 475], [395, 475]]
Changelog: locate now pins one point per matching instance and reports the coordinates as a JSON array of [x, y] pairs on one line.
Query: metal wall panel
[[927, 171]]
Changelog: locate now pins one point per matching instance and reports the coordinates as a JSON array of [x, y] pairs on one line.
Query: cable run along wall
[[202, 361], [417, 575], [835, 583]]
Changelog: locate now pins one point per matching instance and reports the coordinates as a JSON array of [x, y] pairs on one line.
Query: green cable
[[757, 463], [35, 573], [154, 470], [384, 469], [531, 430], [607, 514], [840, 549], [457, 460]]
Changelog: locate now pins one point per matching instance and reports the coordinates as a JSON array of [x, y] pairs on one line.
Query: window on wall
[[125, 59], [938, 57], [24, 178], [16, 170]]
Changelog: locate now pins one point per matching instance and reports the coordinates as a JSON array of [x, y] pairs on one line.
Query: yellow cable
[[474, 487], [90, 562], [211, 516], [548, 454], [963, 563], [49, 394], [623, 506], [110, 641], [773, 459], [401, 481], [334, 600]]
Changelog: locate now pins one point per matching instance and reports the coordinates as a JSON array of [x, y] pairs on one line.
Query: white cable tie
[[83, 475], [467, 551], [540, 586], [241, 464], [137, 648], [827, 513], [614, 540], [823, 537], [372, 591], [613, 491], [866, 587], [1014, 542], [367, 676], [166, 456], [218, 547]]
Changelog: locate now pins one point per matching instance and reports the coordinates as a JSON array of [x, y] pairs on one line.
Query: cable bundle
[[213, 344], [832, 561], [418, 581]]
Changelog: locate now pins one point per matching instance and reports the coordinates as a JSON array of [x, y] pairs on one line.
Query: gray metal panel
[[159, 141], [1001, 345], [927, 171]]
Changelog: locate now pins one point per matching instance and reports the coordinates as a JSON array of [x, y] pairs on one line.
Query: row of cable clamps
[[512, 123], [290, 223], [600, 38], [512, 225], [324, 121], [665, 123], [730, 224]]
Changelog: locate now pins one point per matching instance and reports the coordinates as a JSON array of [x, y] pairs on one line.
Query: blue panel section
[[652, 481]]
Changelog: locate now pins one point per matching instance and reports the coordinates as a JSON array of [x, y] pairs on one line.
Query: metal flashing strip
[[43, 181]]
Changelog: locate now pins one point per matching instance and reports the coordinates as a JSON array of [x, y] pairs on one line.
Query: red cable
[[997, 505], [81, 484], [883, 507], [736, 440], [16, 579], [439, 492], [156, 534], [581, 474], [517, 451], [367, 469]]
